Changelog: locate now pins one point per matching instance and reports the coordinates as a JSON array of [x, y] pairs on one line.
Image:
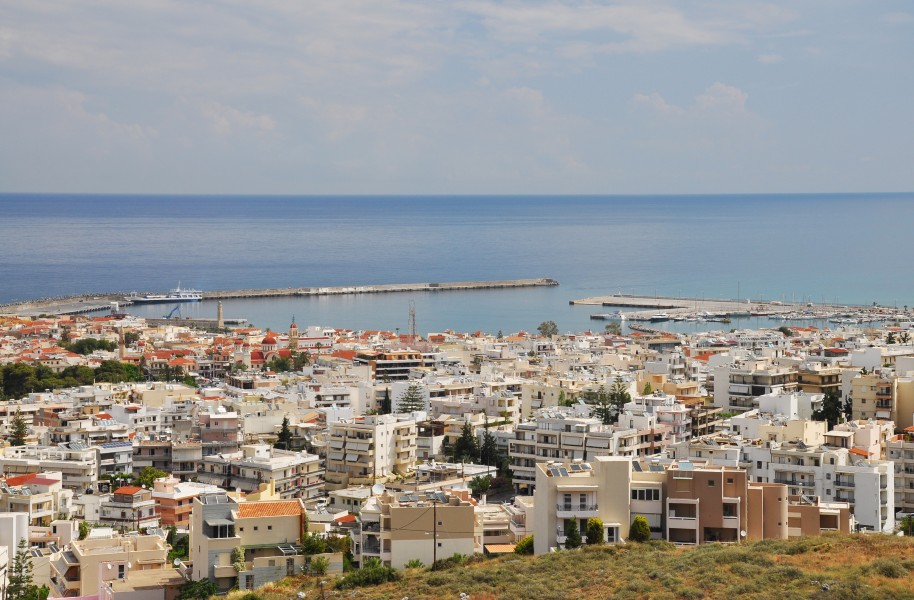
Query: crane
[[176, 309]]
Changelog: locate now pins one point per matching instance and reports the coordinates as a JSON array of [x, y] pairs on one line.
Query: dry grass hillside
[[835, 567]]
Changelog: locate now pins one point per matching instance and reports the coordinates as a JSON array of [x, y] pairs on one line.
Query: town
[[152, 461]]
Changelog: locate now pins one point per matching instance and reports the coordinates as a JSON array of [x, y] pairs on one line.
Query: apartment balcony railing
[[571, 511]]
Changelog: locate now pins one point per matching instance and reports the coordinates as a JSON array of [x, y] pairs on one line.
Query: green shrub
[[415, 564], [640, 530], [371, 574], [595, 531], [251, 596], [524, 545], [572, 534], [888, 568], [319, 565]]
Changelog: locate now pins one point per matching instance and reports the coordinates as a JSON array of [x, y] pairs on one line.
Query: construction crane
[[176, 309]]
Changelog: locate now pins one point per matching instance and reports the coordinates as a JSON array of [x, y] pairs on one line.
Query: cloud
[[224, 119], [656, 102], [718, 98], [770, 59], [898, 18]]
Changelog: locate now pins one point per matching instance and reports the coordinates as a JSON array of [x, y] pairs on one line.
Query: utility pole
[[434, 534]]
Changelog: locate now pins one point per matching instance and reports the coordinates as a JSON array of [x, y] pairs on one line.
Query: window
[[758, 464], [255, 527], [269, 528], [729, 510], [241, 529], [710, 483]]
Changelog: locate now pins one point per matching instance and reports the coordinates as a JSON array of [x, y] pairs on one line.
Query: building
[[40, 496], [295, 474], [708, 504], [76, 462], [610, 488], [396, 528], [268, 531], [738, 383], [131, 508], [368, 449], [174, 500], [77, 568]]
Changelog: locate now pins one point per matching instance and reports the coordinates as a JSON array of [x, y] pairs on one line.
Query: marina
[[658, 309]]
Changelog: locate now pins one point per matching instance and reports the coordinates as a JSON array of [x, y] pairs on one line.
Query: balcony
[[576, 511], [844, 483]]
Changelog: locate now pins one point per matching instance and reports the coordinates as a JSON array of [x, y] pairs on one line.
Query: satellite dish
[[378, 489], [129, 565], [177, 562], [742, 533], [109, 566]]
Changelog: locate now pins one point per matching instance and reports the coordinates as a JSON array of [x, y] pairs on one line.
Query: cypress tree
[[19, 430]]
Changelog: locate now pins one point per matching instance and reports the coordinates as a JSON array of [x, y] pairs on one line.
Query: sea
[[850, 248]]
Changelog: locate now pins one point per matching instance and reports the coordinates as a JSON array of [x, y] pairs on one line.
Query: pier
[[88, 303], [669, 308], [381, 289]]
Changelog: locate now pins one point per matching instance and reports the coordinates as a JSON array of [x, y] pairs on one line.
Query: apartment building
[[174, 499], [873, 396], [568, 434], [40, 496], [218, 432], [295, 474], [268, 531], [739, 382], [115, 457], [612, 488], [368, 449], [669, 412], [708, 504], [76, 462], [900, 450], [396, 528], [76, 569], [129, 508], [392, 365], [816, 378]]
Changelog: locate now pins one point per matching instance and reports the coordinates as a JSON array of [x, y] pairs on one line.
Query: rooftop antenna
[[412, 321]]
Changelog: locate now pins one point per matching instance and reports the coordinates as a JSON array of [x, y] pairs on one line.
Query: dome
[[269, 341]]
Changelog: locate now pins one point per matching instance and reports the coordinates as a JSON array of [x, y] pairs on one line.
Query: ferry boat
[[176, 295]]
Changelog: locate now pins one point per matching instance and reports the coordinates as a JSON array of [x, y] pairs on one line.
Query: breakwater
[[86, 303]]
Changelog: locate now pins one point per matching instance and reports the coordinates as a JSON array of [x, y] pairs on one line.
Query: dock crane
[[176, 309]]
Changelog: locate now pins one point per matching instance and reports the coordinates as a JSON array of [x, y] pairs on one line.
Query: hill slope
[[858, 567]]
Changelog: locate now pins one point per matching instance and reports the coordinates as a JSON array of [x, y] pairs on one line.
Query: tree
[[131, 337], [603, 408], [299, 360], [499, 335], [595, 531], [618, 396], [890, 339], [831, 410], [146, 477], [19, 430], [284, 438], [548, 329], [319, 565], [906, 525], [385, 407], [412, 399], [640, 530], [280, 364], [20, 574], [613, 328], [197, 590], [84, 529], [466, 448], [488, 451], [648, 389], [785, 330], [904, 337], [481, 484], [848, 408], [572, 534], [524, 545]]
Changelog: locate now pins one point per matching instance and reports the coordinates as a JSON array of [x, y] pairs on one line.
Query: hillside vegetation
[[835, 567]]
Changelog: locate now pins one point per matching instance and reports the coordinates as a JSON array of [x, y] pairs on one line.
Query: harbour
[[657, 309], [113, 301]]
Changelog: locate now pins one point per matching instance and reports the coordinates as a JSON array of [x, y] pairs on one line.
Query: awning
[[218, 522], [352, 457], [572, 488], [860, 452], [499, 548]]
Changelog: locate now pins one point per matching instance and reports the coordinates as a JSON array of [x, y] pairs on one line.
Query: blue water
[[850, 248]]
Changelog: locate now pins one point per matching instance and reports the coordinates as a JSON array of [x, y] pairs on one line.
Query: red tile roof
[[128, 490], [279, 508], [20, 479]]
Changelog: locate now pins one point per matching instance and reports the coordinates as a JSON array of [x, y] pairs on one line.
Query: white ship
[[176, 295]]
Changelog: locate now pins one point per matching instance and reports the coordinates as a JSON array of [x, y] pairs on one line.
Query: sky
[[456, 97]]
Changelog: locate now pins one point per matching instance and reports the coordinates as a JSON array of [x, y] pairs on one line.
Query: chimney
[[220, 322]]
